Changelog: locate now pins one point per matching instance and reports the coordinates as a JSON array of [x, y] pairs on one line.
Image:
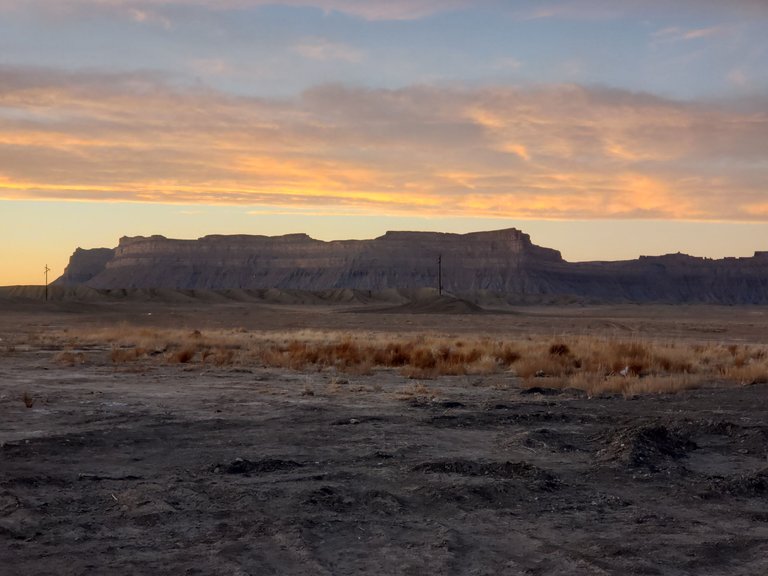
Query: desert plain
[[254, 437]]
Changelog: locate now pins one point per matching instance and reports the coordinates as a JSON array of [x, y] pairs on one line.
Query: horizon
[[605, 130], [54, 274]]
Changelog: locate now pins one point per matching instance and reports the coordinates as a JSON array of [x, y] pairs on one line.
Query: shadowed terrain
[[110, 466]]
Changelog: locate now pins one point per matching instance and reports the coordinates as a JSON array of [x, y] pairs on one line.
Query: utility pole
[[440, 275], [46, 281]]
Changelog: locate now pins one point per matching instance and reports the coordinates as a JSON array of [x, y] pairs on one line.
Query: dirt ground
[[149, 468]]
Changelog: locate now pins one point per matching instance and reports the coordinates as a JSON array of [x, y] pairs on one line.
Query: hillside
[[503, 262]]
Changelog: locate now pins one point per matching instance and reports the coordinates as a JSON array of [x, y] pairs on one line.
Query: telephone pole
[[440, 275], [46, 281]]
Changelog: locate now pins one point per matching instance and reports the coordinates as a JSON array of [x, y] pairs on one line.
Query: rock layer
[[502, 262]]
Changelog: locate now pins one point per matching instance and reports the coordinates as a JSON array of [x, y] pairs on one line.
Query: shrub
[[68, 358], [28, 399], [559, 349], [183, 355]]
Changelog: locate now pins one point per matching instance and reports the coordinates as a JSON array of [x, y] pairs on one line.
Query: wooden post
[[46, 281], [440, 275]]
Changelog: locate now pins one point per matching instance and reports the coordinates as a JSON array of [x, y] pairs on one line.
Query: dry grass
[[28, 399], [594, 364], [69, 358], [183, 355], [416, 393], [122, 355]]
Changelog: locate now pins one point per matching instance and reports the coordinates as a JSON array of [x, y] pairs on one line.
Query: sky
[[606, 129]]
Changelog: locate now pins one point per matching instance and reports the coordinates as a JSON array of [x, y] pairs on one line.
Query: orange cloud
[[546, 152]]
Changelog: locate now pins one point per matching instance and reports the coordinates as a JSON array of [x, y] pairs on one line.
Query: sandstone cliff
[[502, 262], [84, 265]]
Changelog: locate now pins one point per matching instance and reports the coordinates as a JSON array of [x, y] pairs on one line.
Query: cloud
[[506, 64], [676, 34], [144, 16], [211, 67], [152, 10], [738, 77], [610, 9], [561, 151], [163, 12], [703, 32], [321, 49], [366, 9]]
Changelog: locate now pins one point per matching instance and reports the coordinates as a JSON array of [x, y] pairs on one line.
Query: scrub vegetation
[[591, 363]]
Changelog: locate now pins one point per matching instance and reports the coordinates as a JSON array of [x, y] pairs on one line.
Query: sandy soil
[[146, 469]]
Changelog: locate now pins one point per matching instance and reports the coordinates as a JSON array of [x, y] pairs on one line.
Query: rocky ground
[[146, 469]]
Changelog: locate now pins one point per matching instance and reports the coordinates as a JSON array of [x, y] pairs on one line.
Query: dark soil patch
[[743, 485], [552, 440], [541, 390], [653, 447], [242, 466], [433, 305], [449, 404], [506, 470], [8, 503], [500, 417], [343, 500], [746, 439]]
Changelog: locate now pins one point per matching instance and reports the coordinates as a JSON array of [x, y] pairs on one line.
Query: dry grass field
[[591, 363], [247, 438]]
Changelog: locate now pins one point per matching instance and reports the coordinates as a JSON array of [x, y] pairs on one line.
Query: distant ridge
[[424, 301], [504, 263]]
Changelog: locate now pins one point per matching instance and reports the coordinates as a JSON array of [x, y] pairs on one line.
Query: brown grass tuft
[[123, 355], [416, 393], [28, 399], [218, 357], [71, 359], [559, 349], [182, 356]]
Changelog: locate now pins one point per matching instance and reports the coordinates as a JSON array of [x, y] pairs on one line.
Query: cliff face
[[486, 260], [84, 265], [671, 278], [503, 261]]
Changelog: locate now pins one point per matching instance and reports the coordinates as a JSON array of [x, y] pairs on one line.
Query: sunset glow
[[439, 115]]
